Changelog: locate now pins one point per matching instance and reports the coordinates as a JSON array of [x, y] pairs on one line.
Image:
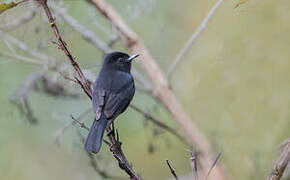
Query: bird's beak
[[132, 57]]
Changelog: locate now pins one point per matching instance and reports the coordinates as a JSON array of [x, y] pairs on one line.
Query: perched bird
[[112, 93]]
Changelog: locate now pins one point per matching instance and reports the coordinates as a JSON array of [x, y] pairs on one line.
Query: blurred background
[[234, 82]]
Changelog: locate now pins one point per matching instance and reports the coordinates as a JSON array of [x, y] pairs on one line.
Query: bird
[[112, 92]]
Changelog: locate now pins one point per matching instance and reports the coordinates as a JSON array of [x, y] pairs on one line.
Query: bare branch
[[24, 47], [281, 162], [20, 21], [213, 165], [95, 165], [191, 40], [171, 170], [86, 33], [159, 123], [193, 160], [63, 47], [20, 98]]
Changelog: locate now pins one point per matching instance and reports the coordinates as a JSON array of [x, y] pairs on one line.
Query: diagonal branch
[[191, 40], [171, 170], [63, 47], [281, 162], [159, 123]]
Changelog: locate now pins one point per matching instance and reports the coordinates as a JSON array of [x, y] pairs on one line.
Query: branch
[[20, 21], [191, 40], [86, 33], [213, 165], [281, 162], [63, 47], [95, 165], [116, 144], [171, 170], [193, 160], [160, 85], [159, 123], [24, 47]]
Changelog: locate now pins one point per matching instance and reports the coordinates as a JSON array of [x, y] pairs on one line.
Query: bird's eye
[[121, 59]]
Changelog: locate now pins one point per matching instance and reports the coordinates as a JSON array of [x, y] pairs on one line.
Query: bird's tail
[[94, 140]]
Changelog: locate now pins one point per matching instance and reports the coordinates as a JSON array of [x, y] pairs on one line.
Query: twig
[[20, 98], [94, 163], [281, 162], [193, 160], [86, 33], [191, 40], [20, 21], [82, 125], [160, 85], [63, 47], [172, 170], [116, 145], [213, 165], [159, 123], [21, 58], [24, 47]]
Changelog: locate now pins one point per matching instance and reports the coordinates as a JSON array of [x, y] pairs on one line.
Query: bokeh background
[[234, 83]]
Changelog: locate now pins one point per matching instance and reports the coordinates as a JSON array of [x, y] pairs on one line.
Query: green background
[[234, 83]]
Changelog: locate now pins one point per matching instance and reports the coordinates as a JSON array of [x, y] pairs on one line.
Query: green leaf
[[7, 5]]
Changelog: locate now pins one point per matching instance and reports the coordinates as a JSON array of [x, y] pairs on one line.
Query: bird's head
[[118, 61]]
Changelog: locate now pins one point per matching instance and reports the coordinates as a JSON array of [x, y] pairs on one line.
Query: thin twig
[[24, 47], [94, 163], [191, 40], [213, 165], [193, 160], [86, 33], [20, 21], [63, 47], [281, 162], [172, 170], [82, 125], [159, 123]]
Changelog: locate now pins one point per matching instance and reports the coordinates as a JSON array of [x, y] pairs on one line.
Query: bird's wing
[[98, 100], [117, 101]]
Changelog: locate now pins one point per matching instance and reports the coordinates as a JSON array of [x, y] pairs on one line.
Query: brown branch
[[281, 162], [159, 123], [160, 85], [63, 47], [95, 165], [171, 170], [191, 40], [116, 144], [213, 165]]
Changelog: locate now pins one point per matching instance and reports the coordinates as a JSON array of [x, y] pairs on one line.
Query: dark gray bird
[[112, 93]]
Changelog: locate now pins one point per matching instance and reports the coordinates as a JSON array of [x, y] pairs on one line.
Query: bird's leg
[[111, 130]]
